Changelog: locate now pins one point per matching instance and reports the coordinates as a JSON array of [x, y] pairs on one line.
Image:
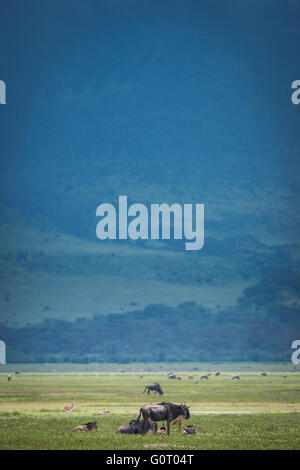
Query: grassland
[[254, 413]]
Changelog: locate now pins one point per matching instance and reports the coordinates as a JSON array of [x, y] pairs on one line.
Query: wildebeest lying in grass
[[166, 411], [153, 388], [135, 427], [92, 426], [189, 430]]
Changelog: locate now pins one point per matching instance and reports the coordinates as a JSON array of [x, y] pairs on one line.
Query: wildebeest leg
[[180, 424], [145, 389], [144, 426], [148, 391], [168, 427]]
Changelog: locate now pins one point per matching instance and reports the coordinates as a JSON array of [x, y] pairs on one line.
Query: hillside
[[162, 103]]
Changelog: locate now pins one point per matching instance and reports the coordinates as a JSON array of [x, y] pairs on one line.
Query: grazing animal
[[236, 377], [69, 409], [179, 378], [153, 388], [172, 376], [217, 373], [106, 412], [189, 430], [264, 374], [136, 427], [9, 377], [168, 412], [204, 377], [190, 376], [92, 426]]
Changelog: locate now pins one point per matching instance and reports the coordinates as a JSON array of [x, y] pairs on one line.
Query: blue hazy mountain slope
[[173, 101]]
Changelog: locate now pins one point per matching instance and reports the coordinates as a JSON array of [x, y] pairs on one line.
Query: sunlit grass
[[255, 412]]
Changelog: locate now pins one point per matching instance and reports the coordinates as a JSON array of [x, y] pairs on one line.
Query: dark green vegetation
[[183, 105], [255, 413], [160, 333]]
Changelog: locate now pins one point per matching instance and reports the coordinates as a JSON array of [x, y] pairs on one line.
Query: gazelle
[[106, 412], [69, 409]]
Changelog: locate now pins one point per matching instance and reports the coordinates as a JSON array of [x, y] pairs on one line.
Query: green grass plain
[[254, 413]]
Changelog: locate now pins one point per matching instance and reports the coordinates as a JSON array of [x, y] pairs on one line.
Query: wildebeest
[[217, 373], [153, 388], [168, 412], [172, 376], [92, 426], [236, 377], [204, 377], [189, 430], [9, 377], [264, 374], [136, 427]]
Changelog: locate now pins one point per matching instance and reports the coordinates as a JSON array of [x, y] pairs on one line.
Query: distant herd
[[166, 412], [169, 413]]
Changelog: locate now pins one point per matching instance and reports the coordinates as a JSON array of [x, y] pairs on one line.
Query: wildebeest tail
[[138, 418]]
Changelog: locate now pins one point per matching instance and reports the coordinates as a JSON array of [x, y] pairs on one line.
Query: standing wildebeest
[[204, 377], [236, 377], [153, 388], [167, 412], [136, 427], [177, 420]]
